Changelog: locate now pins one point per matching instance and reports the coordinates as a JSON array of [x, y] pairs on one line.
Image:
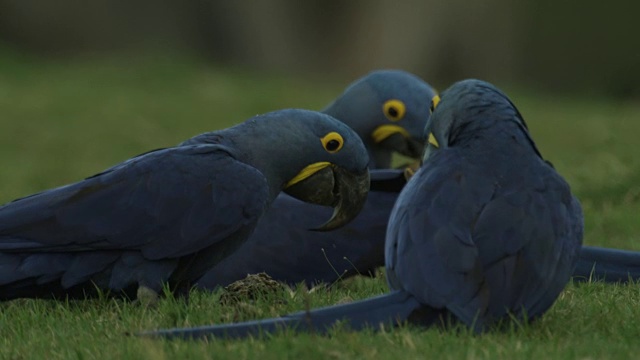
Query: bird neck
[[250, 142]]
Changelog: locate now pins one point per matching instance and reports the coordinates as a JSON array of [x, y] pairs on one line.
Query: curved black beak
[[333, 186], [406, 146]]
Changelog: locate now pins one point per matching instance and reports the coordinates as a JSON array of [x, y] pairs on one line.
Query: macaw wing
[[166, 203], [527, 242], [430, 251]]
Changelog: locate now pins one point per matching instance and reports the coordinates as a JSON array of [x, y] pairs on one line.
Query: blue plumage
[[168, 215], [486, 228], [283, 247]]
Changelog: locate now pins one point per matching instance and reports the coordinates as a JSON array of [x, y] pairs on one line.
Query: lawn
[[62, 121]]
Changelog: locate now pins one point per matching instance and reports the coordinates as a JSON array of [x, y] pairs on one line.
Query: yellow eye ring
[[394, 109], [434, 103], [332, 142]]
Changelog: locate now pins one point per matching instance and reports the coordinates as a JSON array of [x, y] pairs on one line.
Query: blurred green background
[[87, 84], [585, 46]]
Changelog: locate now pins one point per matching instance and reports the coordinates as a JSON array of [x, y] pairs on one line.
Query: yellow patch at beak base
[[308, 171], [436, 101], [433, 141], [384, 131]]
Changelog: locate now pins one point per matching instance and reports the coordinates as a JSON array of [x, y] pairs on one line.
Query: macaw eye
[[394, 109], [332, 142], [332, 145], [434, 103]]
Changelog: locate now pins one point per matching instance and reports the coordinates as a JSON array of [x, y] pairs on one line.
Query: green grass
[[62, 121]]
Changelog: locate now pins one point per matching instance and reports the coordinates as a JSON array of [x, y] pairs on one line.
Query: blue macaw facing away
[[168, 215], [485, 230]]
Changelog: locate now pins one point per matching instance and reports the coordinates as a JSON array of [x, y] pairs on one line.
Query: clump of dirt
[[252, 287]]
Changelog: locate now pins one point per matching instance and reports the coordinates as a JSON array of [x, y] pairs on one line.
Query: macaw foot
[[146, 296]]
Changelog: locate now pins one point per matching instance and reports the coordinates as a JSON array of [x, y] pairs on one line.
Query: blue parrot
[[388, 109], [167, 216]]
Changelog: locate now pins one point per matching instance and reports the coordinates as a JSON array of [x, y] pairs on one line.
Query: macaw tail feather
[[610, 265], [385, 310]]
